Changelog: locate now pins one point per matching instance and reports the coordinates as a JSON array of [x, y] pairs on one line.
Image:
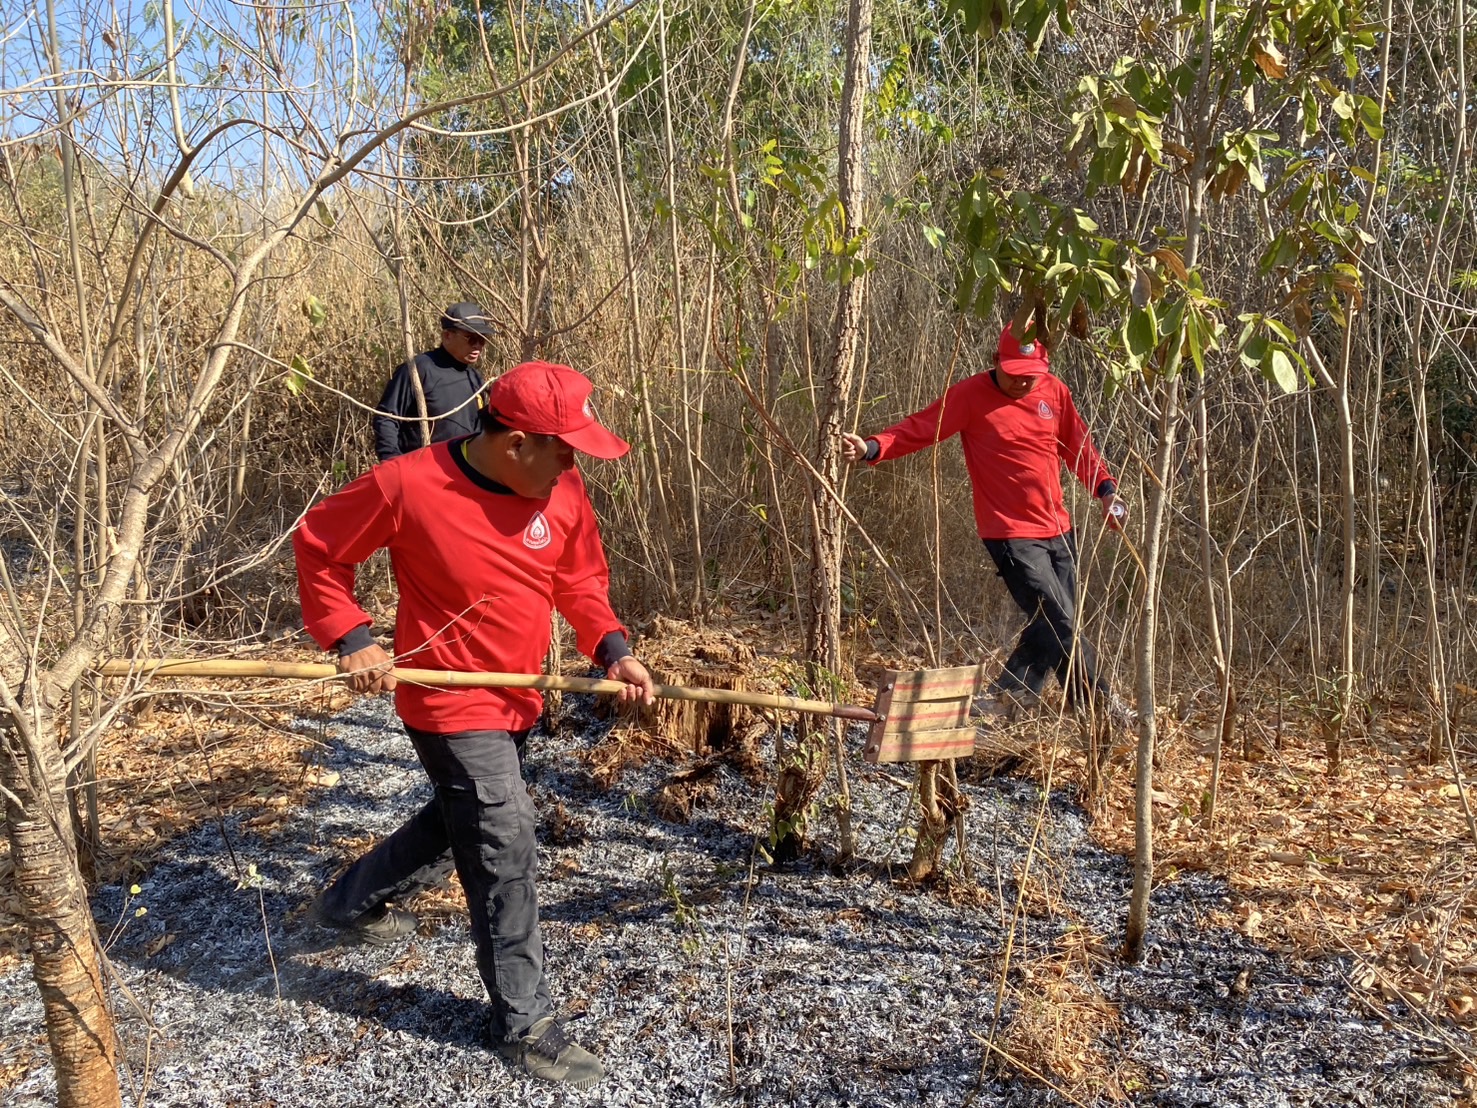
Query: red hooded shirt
[[479, 572], [1013, 450]]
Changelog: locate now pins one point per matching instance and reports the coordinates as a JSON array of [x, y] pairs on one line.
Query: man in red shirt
[[487, 535], [1018, 426]]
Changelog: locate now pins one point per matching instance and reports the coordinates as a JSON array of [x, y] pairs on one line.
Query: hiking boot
[[547, 1053], [382, 926]]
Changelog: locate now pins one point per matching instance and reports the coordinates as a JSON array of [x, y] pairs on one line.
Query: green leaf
[[315, 311], [1254, 174], [1372, 117], [1035, 24], [1173, 320], [298, 372], [1141, 332], [1343, 105], [1310, 114], [1196, 340], [1115, 161], [1279, 368], [1254, 352], [1283, 331], [934, 236]]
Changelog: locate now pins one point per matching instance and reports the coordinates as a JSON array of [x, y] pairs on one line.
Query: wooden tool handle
[[302, 671]]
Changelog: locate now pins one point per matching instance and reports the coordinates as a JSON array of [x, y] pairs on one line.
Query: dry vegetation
[[616, 207]]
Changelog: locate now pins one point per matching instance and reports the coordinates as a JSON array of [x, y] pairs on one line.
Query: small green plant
[[634, 803], [684, 913], [124, 915]]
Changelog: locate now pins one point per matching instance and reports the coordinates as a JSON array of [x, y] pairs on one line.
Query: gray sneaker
[[547, 1053], [990, 709], [1117, 711], [382, 926], [1004, 706], [1121, 712]]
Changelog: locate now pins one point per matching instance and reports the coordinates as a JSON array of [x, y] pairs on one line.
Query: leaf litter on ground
[[704, 976]]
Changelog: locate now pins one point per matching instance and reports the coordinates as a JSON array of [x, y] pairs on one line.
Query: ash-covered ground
[[701, 975]]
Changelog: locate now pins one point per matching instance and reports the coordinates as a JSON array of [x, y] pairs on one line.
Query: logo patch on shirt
[[536, 535], [1043, 409]]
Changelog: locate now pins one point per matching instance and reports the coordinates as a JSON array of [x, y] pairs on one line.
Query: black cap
[[468, 317]]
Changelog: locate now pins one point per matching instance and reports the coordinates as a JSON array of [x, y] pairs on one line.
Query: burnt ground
[[702, 974]]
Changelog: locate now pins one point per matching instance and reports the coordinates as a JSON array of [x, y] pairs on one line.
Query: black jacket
[[448, 385]]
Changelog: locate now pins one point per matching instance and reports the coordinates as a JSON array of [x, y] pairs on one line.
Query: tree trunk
[[828, 532], [1143, 821], [939, 802], [64, 953]]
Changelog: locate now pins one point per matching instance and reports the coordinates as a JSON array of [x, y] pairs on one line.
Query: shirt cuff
[[611, 649], [874, 448], [1106, 487], [356, 640]]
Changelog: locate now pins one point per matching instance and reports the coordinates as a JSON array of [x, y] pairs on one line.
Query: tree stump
[[679, 654]]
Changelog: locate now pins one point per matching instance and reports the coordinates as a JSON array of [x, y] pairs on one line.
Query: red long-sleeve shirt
[[1013, 450], [479, 572]]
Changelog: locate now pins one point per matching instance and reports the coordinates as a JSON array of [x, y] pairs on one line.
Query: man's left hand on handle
[[638, 681]]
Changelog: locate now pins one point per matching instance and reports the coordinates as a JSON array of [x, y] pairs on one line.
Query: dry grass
[[1373, 864], [1063, 1029]]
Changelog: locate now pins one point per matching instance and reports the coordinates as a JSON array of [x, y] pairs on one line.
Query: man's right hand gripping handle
[[368, 670]]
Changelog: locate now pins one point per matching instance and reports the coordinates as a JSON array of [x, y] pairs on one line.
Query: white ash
[[832, 986]]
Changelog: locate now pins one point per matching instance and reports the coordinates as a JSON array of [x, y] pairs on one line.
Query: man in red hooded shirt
[[1019, 426], [487, 535]]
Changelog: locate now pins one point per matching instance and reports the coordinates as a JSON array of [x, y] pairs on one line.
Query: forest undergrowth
[[1370, 866]]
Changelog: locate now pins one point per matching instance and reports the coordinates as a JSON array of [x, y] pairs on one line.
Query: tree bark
[[64, 953], [828, 529], [1143, 821]]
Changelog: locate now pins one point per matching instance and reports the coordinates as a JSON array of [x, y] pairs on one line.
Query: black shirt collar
[[442, 358], [482, 481]]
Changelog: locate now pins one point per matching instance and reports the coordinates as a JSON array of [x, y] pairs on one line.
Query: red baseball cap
[[546, 399], [1021, 359]]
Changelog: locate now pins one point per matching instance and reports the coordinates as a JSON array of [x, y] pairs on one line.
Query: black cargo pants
[[480, 821], [1041, 575]]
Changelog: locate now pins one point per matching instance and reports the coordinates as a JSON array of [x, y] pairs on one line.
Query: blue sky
[[310, 70]]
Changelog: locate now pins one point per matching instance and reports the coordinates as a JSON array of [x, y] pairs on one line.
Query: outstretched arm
[[942, 419]]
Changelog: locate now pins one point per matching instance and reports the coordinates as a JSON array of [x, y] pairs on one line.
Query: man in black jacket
[[450, 379]]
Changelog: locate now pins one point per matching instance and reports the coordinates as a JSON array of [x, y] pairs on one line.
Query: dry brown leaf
[[1269, 59], [1287, 858], [1172, 261]]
